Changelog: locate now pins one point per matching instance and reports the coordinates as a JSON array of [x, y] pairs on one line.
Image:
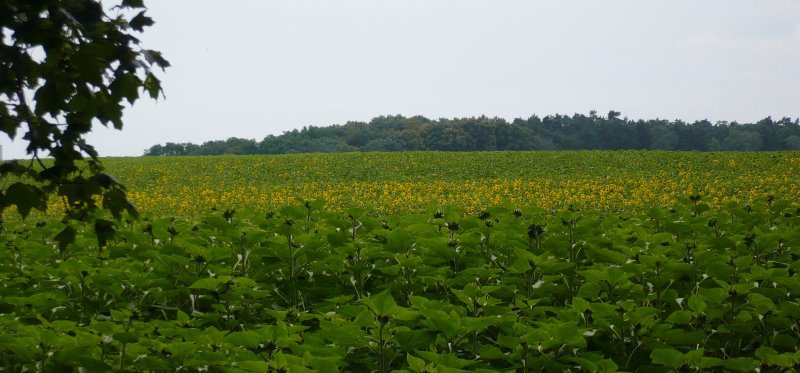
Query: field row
[[509, 290], [409, 182]]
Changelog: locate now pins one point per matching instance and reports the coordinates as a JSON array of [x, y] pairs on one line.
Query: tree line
[[552, 132]]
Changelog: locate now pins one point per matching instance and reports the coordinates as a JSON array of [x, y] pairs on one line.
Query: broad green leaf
[[140, 21], [589, 290], [680, 317], [206, 284], [416, 364], [586, 364], [579, 304], [182, 318], [741, 364], [381, 304], [255, 237], [182, 348], [447, 324], [217, 222], [247, 339], [120, 315], [349, 334], [399, 241], [774, 358], [697, 304], [761, 303], [355, 212], [668, 357], [152, 85]]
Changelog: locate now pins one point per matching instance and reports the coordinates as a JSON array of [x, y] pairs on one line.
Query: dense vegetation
[[558, 132], [564, 263], [685, 288]]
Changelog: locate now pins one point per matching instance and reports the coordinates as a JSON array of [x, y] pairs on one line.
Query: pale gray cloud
[[253, 68]]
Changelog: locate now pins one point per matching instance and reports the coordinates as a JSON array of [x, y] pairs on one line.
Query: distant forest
[[554, 132]]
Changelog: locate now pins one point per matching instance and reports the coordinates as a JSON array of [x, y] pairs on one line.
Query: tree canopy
[[554, 132], [67, 66]]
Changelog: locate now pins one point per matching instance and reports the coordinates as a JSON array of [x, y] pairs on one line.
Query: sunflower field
[[418, 262], [408, 182]]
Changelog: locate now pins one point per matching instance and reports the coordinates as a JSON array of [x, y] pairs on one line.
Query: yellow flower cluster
[[398, 182]]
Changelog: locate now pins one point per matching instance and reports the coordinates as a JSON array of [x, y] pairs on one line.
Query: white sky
[[252, 68]]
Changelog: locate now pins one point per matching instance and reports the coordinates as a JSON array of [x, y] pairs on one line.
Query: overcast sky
[[252, 68]]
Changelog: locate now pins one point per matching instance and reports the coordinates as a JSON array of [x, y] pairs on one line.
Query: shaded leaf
[[25, 197]]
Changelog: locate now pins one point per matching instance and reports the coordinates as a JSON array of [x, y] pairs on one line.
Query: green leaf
[[25, 197], [65, 237], [218, 222], [589, 290], [381, 304], [247, 339], [182, 348], [140, 21], [695, 355], [115, 201], [253, 366], [7, 124], [255, 237], [17, 346], [317, 204], [668, 357], [743, 261], [695, 358], [206, 284], [125, 86], [680, 317], [586, 364], [697, 304], [447, 324], [741, 364], [579, 304], [152, 85], [133, 3], [478, 324], [400, 241], [774, 358], [415, 363], [680, 337], [491, 353], [182, 318], [338, 239], [105, 231], [355, 212], [349, 335], [120, 315], [761, 303]]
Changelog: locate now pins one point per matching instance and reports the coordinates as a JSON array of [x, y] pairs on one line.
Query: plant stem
[[381, 356], [292, 285]]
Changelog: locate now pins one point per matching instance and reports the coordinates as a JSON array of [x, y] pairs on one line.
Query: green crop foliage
[[514, 288]]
